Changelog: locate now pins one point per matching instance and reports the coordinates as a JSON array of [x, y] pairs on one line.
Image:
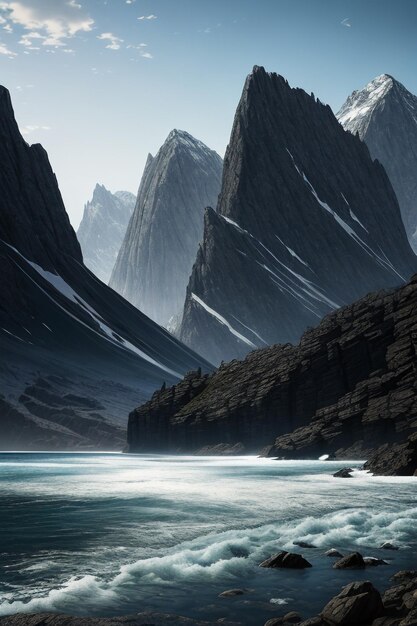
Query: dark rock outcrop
[[347, 388], [346, 472], [161, 242], [357, 603], [350, 561], [148, 618], [286, 560], [384, 114], [103, 228], [399, 459], [306, 222], [74, 355]]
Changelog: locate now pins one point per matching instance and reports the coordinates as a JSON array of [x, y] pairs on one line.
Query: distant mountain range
[[384, 114], [306, 222], [103, 228], [75, 355], [161, 242]]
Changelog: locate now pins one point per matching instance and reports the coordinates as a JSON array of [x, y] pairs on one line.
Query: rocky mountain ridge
[[384, 114], [159, 249], [305, 223], [347, 388], [103, 227], [75, 355]]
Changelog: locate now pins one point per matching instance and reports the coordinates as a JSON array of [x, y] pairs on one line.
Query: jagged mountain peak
[[356, 113], [384, 114], [161, 241]]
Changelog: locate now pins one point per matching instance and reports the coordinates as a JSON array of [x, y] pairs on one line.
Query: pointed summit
[[384, 114], [155, 260], [305, 222], [103, 227]]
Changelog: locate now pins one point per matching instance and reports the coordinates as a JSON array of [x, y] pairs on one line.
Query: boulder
[[388, 546], [231, 593], [357, 603], [372, 561], [333, 553], [350, 561], [288, 560], [345, 472], [289, 618]]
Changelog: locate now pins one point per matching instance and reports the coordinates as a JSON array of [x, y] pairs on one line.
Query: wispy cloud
[[31, 128], [148, 17], [53, 21], [5, 51], [114, 42], [346, 22]]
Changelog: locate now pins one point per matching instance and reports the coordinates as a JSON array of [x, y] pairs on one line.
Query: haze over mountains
[[384, 114], [103, 227], [75, 355], [160, 246], [306, 222]]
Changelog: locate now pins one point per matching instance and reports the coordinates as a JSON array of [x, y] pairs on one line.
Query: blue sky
[[100, 83]]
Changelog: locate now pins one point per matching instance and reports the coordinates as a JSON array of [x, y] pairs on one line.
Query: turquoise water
[[109, 534]]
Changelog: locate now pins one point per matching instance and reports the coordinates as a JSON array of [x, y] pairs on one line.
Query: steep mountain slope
[[159, 249], [102, 229], [305, 223], [348, 387], [384, 114], [74, 354]]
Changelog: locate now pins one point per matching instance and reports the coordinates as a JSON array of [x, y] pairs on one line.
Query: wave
[[222, 558]]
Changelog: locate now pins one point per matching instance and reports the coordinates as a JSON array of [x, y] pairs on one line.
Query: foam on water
[[168, 525]]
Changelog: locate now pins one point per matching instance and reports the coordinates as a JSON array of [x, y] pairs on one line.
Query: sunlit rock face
[[384, 114], [75, 356], [306, 222], [161, 242], [102, 229]]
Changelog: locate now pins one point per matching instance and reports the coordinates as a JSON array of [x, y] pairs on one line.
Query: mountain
[[102, 229], [159, 249], [306, 222], [75, 355], [348, 387], [384, 114]]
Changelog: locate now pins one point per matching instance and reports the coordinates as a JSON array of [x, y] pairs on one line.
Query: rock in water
[[75, 355], [286, 560], [384, 114], [305, 223], [103, 228], [350, 561], [161, 242], [346, 472], [357, 603]]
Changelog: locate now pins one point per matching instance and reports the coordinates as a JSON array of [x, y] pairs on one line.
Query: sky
[[101, 83]]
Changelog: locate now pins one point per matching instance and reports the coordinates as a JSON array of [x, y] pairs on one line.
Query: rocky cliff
[[306, 222], [103, 228], [74, 354], [161, 242], [349, 386], [384, 114]]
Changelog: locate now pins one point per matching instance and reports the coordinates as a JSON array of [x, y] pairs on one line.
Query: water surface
[[110, 534]]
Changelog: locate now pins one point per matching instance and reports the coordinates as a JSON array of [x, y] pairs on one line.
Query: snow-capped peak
[[357, 111]]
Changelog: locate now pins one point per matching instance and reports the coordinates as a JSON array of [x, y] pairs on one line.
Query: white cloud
[[346, 22], [4, 50], [27, 130], [57, 20], [148, 17], [114, 42], [146, 55]]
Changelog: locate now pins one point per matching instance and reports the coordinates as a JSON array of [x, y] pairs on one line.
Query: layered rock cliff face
[[160, 246], [103, 228], [305, 223], [349, 386], [384, 114], [74, 354]]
